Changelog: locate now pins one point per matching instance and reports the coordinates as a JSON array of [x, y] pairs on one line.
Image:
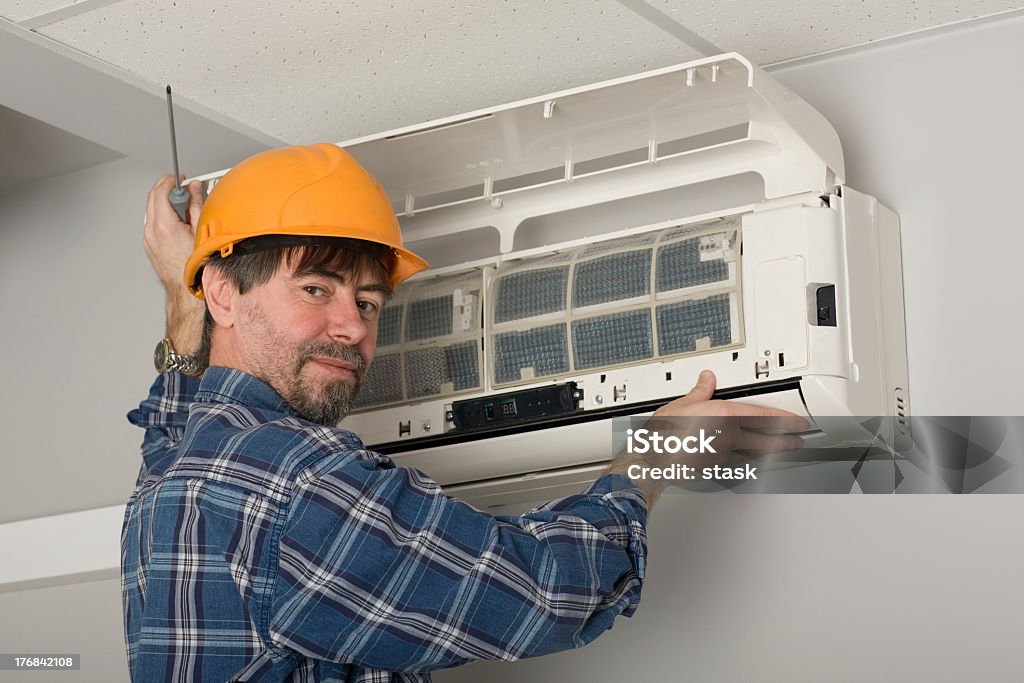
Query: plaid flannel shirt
[[260, 546]]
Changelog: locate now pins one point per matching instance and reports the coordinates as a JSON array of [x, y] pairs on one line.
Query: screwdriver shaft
[[174, 141]]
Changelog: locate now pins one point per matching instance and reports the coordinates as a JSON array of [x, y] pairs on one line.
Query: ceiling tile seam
[[54, 16], [900, 38], [666, 23]]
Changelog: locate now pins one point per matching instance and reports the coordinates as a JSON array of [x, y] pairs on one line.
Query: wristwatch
[[166, 359]]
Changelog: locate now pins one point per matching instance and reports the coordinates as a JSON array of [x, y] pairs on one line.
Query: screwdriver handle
[[179, 200]]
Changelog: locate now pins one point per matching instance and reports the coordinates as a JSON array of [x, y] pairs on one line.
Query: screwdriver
[[179, 196]]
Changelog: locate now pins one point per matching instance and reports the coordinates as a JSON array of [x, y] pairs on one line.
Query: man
[[264, 543]]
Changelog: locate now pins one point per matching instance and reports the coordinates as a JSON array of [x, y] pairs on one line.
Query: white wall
[[81, 312], [83, 619], [741, 588], [933, 128], [855, 588]]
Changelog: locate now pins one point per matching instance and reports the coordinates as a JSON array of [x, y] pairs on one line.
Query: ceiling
[[33, 150], [291, 71]]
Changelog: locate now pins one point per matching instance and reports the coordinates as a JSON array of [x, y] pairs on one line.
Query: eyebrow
[[337, 277], [376, 287]]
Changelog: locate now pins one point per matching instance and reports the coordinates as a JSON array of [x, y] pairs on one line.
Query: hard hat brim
[[405, 263]]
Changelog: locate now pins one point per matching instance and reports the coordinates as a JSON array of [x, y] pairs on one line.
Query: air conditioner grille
[[680, 265], [615, 277], [530, 293], [638, 298], [612, 339], [683, 324], [383, 383], [539, 352], [429, 318], [431, 339], [427, 371], [389, 326]]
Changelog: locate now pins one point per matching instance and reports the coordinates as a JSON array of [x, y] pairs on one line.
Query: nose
[[345, 322]]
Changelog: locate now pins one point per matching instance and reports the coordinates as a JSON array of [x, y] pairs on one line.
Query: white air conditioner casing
[[713, 153]]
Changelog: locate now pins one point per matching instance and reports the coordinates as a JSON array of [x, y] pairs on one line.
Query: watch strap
[[167, 359], [181, 363]]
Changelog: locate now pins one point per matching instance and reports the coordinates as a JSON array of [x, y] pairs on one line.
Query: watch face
[[160, 356]]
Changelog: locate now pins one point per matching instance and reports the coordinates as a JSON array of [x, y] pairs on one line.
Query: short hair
[[249, 268]]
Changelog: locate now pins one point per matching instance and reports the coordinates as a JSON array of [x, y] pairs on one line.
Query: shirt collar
[[228, 385]]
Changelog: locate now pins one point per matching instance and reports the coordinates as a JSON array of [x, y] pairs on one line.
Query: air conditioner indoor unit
[[595, 248]]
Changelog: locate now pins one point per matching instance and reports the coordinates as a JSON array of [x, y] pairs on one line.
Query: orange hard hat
[[310, 192]]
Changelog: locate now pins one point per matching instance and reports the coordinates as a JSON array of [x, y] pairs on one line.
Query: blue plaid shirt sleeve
[[163, 415], [379, 568]]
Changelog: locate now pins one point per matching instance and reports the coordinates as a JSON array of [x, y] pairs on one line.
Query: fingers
[[152, 201], [165, 180], [705, 386], [158, 206], [701, 391], [760, 431], [149, 206], [163, 184], [154, 192], [759, 443], [195, 204], [167, 240], [165, 210], [770, 419], [759, 417]]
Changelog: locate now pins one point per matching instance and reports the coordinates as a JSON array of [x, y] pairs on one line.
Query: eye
[[315, 291], [368, 306]]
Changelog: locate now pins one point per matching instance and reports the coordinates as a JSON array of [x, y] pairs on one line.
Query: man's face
[[311, 337]]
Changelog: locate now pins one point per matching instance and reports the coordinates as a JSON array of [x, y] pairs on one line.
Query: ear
[[221, 297]]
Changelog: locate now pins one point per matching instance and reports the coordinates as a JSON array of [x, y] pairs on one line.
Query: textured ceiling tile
[[20, 10], [769, 31], [305, 71]]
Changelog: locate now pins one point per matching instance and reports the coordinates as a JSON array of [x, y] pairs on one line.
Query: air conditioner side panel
[[788, 253], [878, 353]]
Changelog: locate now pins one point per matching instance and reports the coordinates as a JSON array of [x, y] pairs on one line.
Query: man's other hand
[[739, 430], [740, 423]]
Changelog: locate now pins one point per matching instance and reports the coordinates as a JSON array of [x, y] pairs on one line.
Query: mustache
[[319, 347]]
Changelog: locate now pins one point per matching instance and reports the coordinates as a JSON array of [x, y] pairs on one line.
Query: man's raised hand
[[169, 243]]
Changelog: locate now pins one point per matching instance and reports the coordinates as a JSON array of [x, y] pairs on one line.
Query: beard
[[328, 403], [323, 402]]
